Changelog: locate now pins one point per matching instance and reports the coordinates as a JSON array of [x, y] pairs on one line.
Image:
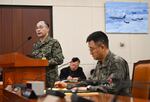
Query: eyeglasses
[[40, 27]]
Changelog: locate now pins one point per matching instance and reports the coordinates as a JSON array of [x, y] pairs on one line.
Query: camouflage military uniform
[[113, 67], [52, 50]]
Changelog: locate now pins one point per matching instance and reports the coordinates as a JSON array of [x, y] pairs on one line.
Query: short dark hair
[[98, 36], [75, 59]]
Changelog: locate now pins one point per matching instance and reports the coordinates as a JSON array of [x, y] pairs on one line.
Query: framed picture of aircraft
[[126, 17]]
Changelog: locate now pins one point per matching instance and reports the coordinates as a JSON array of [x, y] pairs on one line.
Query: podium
[[18, 68]]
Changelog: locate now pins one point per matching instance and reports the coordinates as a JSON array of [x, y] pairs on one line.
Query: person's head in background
[[98, 44], [42, 30], [92, 71], [74, 64]]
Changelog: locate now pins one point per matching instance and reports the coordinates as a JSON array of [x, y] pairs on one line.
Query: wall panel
[[17, 23]]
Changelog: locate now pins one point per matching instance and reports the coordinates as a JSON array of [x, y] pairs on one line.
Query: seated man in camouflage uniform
[[110, 70], [50, 49]]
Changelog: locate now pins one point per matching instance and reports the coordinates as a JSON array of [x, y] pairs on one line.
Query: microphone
[[56, 93], [22, 44], [76, 98]]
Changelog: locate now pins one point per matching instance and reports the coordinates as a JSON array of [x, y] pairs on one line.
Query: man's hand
[[69, 78], [79, 89], [72, 79], [60, 84]]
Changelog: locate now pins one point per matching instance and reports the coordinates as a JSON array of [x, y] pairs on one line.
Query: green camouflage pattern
[[113, 67], [52, 51]]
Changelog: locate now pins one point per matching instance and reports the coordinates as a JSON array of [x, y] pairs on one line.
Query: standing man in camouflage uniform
[[50, 49], [111, 70]]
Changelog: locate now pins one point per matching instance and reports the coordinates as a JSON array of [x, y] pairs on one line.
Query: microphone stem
[[22, 44]]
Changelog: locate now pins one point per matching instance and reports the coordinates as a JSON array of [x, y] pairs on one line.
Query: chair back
[[141, 79]]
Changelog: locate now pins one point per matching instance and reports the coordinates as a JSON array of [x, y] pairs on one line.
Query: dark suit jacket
[[65, 72]]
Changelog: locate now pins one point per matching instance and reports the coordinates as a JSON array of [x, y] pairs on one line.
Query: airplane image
[[113, 17]]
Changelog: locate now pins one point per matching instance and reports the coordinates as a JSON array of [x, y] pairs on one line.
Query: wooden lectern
[[17, 68]]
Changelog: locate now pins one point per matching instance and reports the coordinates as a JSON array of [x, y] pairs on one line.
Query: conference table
[[10, 96]]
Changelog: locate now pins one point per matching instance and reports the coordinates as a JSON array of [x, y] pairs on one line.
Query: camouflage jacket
[[50, 49], [112, 71]]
